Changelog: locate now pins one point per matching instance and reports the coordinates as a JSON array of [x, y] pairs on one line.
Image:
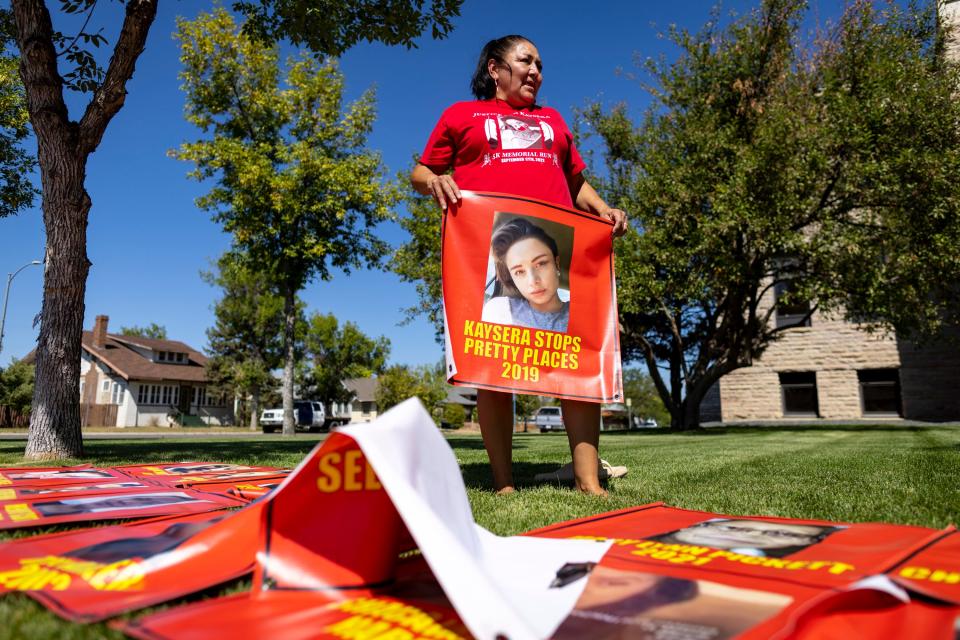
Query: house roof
[[466, 396], [365, 389], [118, 354]]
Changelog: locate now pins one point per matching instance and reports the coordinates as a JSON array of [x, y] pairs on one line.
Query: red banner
[[49, 476], [93, 574], [74, 490], [530, 299], [173, 471], [142, 503]]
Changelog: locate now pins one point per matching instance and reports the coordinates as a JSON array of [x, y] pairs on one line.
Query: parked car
[[548, 419], [307, 414], [614, 416], [644, 423]]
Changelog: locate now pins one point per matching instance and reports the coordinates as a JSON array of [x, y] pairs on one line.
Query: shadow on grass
[[476, 475]]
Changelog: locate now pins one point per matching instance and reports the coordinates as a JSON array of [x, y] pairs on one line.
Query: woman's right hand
[[442, 187], [444, 190]]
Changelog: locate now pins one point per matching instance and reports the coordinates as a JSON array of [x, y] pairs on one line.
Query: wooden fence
[[9, 418], [98, 415]]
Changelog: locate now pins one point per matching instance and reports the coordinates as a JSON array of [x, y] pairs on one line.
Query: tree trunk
[[676, 386], [63, 147], [55, 420], [255, 409], [289, 335]]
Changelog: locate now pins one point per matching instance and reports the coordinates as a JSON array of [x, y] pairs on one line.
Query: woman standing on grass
[[482, 141]]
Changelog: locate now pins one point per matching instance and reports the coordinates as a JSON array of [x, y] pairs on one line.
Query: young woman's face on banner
[[534, 270], [730, 534]]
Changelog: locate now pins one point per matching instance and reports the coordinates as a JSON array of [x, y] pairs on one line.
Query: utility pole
[[6, 296]]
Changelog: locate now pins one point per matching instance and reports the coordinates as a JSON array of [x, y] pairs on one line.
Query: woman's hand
[[444, 190], [619, 219], [441, 186]]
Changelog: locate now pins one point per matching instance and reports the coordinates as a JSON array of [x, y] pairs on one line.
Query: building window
[[366, 408], [117, 396], [796, 313], [105, 386], [179, 357], [161, 356], [880, 392], [799, 392]]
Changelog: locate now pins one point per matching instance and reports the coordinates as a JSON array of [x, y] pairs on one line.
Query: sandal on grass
[[565, 473]]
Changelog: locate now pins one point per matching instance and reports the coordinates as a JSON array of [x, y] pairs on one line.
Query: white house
[[131, 381]]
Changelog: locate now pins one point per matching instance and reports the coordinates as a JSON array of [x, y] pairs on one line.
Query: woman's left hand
[[619, 219]]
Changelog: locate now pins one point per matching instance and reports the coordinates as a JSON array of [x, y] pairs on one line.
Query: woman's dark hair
[[482, 85], [505, 237]]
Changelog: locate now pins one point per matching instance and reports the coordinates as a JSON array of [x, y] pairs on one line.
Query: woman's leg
[[582, 422], [496, 427]]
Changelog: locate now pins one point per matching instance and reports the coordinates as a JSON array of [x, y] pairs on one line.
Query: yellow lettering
[[468, 327], [352, 469], [20, 512], [329, 479], [372, 482], [8, 494]]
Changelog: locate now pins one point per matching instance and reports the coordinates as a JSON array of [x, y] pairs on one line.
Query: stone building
[[833, 370], [830, 369]]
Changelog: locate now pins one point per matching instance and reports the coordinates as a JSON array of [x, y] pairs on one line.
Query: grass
[[850, 473]]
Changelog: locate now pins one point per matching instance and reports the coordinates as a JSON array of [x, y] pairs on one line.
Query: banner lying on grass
[[33, 477], [530, 299], [332, 551], [93, 574], [329, 552], [141, 503], [111, 488]]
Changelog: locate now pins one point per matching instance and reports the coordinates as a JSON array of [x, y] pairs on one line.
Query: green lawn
[[890, 473]]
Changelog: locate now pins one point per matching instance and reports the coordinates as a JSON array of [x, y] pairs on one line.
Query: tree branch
[[109, 98], [38, 69]]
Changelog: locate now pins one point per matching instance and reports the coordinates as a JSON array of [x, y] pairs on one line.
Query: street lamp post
[[6, 296]]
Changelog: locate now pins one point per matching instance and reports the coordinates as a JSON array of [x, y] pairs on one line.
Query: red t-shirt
[[494, 147]]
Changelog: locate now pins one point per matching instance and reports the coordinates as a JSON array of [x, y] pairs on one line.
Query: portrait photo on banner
[[528, 273]]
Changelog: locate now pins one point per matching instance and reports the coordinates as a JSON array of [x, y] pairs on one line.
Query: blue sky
[[148, 241]]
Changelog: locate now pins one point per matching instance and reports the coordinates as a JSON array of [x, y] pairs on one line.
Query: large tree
[[51, 62], [777, 176], [336, 352], [245, 342], [63, 146], [295, 185]]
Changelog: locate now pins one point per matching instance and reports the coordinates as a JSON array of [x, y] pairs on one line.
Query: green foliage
[[399, 382], [338, 352], [153, 330], [16, 386], [826, 168], [329, 27], [294, 184], [525, 405], [454, 415], [644, 399], [418, 260], [16, 164], [246, 339]]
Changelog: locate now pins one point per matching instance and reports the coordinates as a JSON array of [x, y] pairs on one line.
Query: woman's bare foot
[[596, 490], [506, 491]]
